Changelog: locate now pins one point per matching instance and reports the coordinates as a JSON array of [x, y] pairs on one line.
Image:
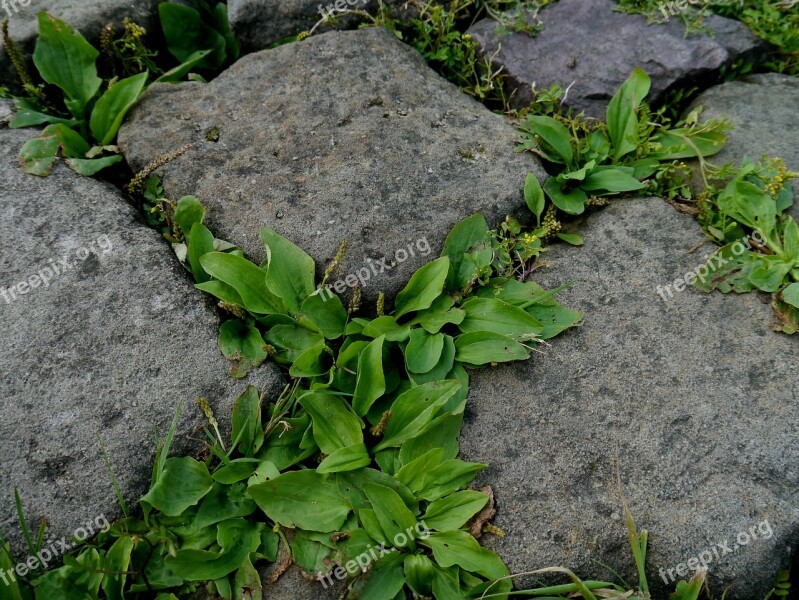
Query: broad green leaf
[[672, 144], [750, 206], [453, 511], [201, 242], [622, 113], [791, 294], [555, 139], [484, 314], [419, 572], [92, 166], [346, 459], [314, 362], [449, 476], [304, 499], [534, 196], [224, 502], [221, 291], [334, 424], [292, 341], [443, 432], [188, 212], [290, 271], [394, 517], [424, 287], [38, 155], [186, 33], [247, 279], [175, 74], [371, 382], [385, 580], [440, 313], [612, 181], [116, 562], [414, 409], [413, 473], [571, 238], [247, 430], [790, 242], [351, 486], [387, 326], [236, 538], [441, 368], [242, 344], [65, 59], [326, 312], [183, 483], [112, 107], [483, 347], [770, 275], [28, 114], [235, 471], [460, 240], [311, 555], [571, 202], [459, 548], [423, 350]]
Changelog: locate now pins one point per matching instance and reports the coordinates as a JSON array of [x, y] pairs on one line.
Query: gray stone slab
[[590, 45], [105, 350], [348, 135], [693, 400]]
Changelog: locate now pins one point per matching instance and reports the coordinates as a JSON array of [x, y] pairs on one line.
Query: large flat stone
[[87, 16], [105, 351], [345, 135], [762, 109], [259, 23], [590, 45], [694, 400]]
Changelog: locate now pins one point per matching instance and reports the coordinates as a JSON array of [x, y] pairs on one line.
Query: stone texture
[[762, 109], [345, 135], [105, 351], [587, 43], [259, 23], [695, 400], [87, 16]]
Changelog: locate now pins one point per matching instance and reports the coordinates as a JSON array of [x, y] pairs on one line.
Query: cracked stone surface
[[105, 350], [590, 45], [693, 398], [259, 23], [345, 135]]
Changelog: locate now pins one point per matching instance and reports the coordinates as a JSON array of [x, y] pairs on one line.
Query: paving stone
[[692, 400], [348, 135], [105, 349], [590, 45]]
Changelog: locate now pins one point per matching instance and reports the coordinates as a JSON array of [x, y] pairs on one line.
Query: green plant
[[596, 160], [199, 37], [358, 452], [760, 242]]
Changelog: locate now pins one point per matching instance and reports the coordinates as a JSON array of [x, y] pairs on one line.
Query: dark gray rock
[[259, 23], [345, 135], [87, 16], [693, 400], [762, 109], [590, 45], [104, 351]]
